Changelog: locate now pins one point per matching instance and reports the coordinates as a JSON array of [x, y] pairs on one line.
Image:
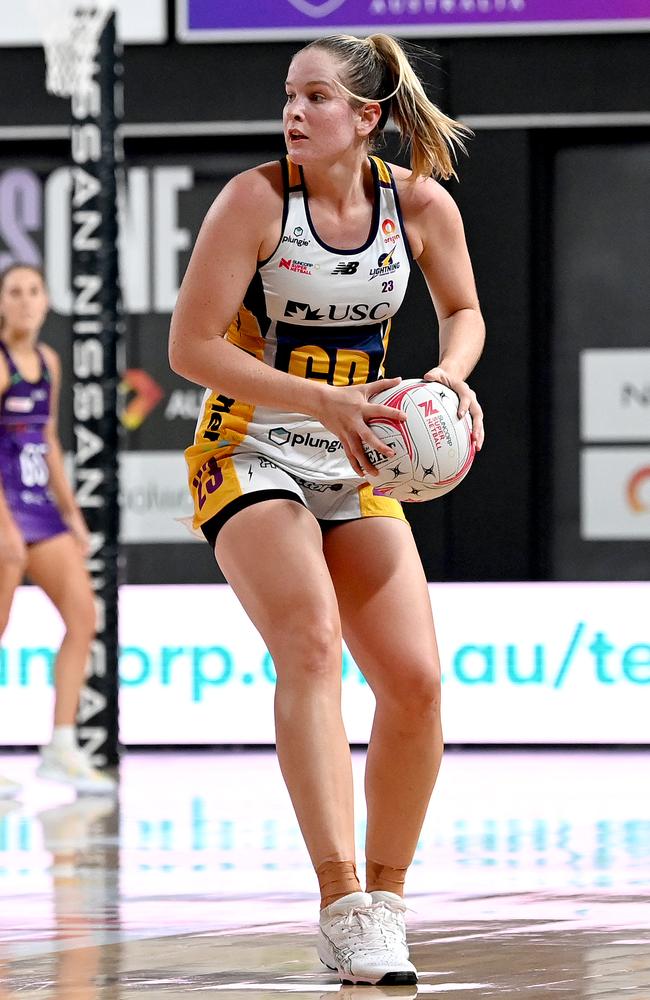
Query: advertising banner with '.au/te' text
[[522, 663], [214, 20]]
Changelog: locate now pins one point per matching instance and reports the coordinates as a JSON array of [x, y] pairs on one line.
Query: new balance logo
[[346, 267]]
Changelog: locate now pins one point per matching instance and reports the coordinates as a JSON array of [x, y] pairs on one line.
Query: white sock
[[63, 738]]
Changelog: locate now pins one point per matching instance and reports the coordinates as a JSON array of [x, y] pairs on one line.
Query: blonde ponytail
[[377, 69], [431, 136]]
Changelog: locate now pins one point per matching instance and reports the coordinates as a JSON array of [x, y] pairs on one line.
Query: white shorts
[[221, 487], [286, 459]]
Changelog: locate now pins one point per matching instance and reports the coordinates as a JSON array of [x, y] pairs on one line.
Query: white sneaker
[[9, 789], [363, 938], [73, 767]]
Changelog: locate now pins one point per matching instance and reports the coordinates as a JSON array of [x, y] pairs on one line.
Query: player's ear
[[368, 118]]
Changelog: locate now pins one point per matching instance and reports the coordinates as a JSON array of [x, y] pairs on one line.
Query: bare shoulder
[[430, 213], [51, 357], [423, 194], [257, 192], [246, 213]]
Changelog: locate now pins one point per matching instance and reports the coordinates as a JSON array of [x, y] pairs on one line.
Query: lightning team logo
[[385, 264]]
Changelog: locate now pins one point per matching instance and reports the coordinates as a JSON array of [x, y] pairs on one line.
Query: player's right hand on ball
[[347, 412]]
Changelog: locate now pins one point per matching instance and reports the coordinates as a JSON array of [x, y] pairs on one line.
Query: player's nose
[[296, 113]]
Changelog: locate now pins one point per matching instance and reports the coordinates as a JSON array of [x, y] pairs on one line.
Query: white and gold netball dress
[[319, 313]]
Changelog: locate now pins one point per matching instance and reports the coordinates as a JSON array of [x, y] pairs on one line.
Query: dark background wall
[[528, 99]]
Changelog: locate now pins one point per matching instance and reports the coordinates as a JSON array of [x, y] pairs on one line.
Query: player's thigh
[[271, 554], [57, 566], [384, 605], [11, 574]]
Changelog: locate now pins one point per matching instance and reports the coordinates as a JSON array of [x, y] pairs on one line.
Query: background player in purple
[[42, 531]]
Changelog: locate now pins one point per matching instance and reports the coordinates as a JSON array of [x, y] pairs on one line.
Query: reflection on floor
[[531, 879]]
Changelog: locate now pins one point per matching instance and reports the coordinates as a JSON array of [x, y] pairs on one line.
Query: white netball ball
[[433, 449]]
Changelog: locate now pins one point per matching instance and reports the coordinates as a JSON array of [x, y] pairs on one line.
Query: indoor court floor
[[531, 879]]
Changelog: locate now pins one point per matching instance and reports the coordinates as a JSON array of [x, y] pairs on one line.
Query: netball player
[[284, 314], [42, 531]]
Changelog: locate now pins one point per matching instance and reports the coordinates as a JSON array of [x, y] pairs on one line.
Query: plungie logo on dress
[[279, 435], [297, 238]]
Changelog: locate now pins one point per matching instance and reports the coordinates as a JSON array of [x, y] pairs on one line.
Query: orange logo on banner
[[633, 491], [147, 395]]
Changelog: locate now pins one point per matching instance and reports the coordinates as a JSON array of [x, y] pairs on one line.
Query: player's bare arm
[[437, 238]]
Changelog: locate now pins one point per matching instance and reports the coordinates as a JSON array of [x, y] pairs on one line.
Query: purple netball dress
[[24, 473]]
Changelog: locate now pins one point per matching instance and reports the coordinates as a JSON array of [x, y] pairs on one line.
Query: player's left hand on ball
[[468, 403]]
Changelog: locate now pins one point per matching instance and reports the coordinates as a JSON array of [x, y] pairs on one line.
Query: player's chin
[[298, 151]]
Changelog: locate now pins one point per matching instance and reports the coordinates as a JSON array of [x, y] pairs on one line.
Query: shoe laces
[[390, 916], [380, 924]]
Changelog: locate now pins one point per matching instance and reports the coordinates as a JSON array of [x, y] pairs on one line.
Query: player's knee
[[81, 624], [313, 653], [416, 692], [424, 697]]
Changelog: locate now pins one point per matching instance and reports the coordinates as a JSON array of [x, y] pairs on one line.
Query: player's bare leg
[[271, 554], [57, 566], [11, 573], [388, 626], [387, 623]]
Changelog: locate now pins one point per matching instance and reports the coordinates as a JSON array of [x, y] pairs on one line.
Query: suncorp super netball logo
[[638, 490]]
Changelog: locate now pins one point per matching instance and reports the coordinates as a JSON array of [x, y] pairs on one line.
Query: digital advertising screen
[[522, 663], [212, 20]]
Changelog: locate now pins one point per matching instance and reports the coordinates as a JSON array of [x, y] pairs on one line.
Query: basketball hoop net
[[70, 31]]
